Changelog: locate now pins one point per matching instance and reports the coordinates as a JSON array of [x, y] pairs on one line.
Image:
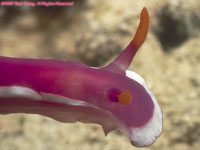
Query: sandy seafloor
[[94, 32]]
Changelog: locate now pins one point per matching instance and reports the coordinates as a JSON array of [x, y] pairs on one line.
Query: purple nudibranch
[[113, 96]]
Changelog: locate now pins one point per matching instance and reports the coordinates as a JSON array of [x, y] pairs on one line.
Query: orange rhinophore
[[142, 30], [123, 61]]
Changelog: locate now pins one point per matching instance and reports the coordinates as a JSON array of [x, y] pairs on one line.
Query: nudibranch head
[[68, 92]]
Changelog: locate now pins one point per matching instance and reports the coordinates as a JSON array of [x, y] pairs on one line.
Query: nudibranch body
[[68, 92]]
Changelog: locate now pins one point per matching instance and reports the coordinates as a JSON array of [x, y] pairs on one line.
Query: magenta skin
[[88, 85], [71, 92]]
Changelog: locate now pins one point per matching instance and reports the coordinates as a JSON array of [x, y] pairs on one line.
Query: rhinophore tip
[[123, 61]]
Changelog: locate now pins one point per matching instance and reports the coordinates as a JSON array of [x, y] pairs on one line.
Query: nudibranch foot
[[66, 91]]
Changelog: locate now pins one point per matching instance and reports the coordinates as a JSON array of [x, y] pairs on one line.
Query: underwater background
[[95, 32]]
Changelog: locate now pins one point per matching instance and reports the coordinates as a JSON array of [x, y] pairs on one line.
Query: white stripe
[[146, 135], [18, 92]]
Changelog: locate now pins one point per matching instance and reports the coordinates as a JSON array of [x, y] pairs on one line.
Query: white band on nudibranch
[[18, 92], [64, 100], [24, 92], [146, 135]]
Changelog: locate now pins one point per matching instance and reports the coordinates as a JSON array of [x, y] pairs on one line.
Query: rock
[[176, 22]]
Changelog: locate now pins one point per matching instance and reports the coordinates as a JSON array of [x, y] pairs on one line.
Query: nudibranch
[[112, 96]]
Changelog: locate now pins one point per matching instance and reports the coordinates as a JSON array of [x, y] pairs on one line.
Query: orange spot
[[125, 98], [142, 30]]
